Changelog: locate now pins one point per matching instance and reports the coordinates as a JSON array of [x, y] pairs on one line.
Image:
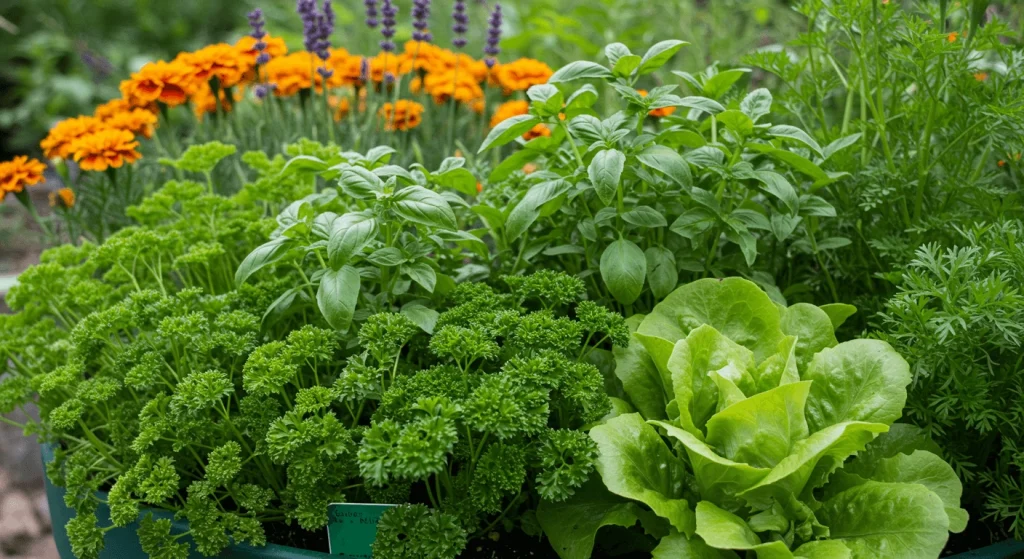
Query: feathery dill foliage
[[482, 420], [928, 106], [958, 317]]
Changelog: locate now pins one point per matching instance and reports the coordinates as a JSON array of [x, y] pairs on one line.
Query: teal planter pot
[[123, 543]]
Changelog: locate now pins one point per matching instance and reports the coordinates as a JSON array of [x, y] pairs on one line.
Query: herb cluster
[[539, 340]]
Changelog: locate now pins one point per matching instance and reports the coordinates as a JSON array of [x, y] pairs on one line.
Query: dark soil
[[612, 543], [509, 546], [505, 546], [617, 543], [292, 536], [976, 536]]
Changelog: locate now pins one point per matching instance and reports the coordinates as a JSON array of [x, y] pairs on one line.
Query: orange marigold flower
[[391, 63], [436, 60], [522, 74], [19, 173], [136, 121], [104, 149], [402, 115], [58, 142], [656, 113], [981, 76], [476, 68], [508, 110], [459, 85], [449, 61], [64, 197], [529, 168], [111, 108], [246, 46], [1001, 163], [347, 68], [952, 37], [537, 131], [221, 61], [166, 82], [425, 56], [291, 73], [341, 105], [295, 72], [478, 105], [479, 188], [203, 102]]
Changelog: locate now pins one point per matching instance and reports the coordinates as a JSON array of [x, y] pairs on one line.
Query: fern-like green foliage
[[958, 317], [922, 107]]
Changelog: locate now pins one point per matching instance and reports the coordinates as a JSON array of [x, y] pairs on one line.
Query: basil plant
[[384, 239], [755, 431], [643, 190]]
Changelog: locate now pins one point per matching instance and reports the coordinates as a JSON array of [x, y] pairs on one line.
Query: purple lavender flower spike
[[420, 14], [461, 24], [263, 90], [389, 10], [308, 12], [323, 41], [493, 37], [326, 30], [256, 23], [329, 15], [364, 69], [371, 13]]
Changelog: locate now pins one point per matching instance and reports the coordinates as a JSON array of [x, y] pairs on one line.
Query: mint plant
[[756, 431], [630, 202]]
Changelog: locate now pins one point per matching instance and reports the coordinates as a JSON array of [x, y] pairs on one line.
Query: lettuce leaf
[[876, 519], [737, 308], [636, 463], [754, 411]]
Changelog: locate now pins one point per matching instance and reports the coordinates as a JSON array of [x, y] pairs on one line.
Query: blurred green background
[[62, 57]]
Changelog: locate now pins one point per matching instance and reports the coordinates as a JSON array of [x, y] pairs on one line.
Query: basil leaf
[[426, 207], [605, 172], [337, 296], [581, 69], [508, 130], [262, 256], [623, 269]]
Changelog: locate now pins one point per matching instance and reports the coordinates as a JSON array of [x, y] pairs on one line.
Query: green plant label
[[352, 527]]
